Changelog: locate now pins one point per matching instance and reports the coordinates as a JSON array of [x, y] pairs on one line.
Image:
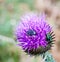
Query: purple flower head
[[34, 34]]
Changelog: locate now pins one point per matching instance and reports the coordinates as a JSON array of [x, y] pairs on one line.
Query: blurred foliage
[[29, 2], [8, 52], [10, 11], [6, 29]]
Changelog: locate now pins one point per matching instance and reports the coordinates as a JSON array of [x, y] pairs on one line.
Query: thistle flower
[[34, 34]]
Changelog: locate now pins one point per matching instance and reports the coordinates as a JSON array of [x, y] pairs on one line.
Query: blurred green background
[[10, 11]]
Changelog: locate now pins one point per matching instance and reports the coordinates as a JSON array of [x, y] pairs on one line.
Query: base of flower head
[[39, 51], [50, 39]]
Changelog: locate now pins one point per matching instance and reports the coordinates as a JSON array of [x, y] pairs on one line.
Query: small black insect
[[31, 32]]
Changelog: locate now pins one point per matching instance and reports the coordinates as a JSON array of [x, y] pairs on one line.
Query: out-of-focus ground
[[10, 12]]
